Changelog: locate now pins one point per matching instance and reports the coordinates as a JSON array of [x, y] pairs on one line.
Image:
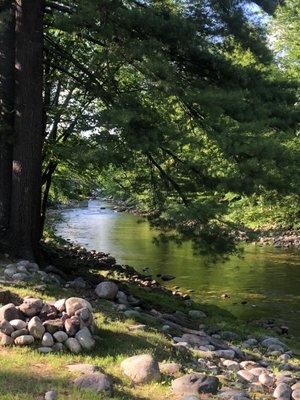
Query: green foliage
[[172, 105]]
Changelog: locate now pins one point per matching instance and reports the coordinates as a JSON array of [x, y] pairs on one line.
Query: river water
[[266, 280]]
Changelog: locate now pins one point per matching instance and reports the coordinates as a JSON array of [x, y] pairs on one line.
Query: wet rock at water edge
[[141, 369], [107, 290], [195, 383], [76, 303], [96, 382]]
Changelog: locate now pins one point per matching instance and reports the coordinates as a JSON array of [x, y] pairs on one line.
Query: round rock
[[31, 306], [141, 369], [85, 339], [51, 395], [36, 328], [60, 336], [24, 340], [18, 324], [76, 303], [47, 340], [107, 290], [96, 382], [5, 340], [73, 345], [282, 391], [195, 383]]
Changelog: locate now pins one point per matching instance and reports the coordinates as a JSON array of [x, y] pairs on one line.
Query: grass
[[26, 374]]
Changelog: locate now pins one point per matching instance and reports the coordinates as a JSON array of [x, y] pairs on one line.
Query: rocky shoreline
[[218, 363]]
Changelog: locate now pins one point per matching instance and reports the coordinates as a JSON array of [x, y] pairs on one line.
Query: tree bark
[[27, 155], [7, 34]]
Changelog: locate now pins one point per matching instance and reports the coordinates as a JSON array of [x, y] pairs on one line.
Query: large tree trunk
[[27, 155], [7, 34]]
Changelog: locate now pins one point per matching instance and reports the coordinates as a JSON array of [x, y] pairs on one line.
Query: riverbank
[[144, 318], [265, 236]]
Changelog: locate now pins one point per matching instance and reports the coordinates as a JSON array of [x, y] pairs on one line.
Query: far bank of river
[[264, 283]]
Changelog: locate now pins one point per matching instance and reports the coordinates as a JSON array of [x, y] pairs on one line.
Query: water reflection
[[268, 279]]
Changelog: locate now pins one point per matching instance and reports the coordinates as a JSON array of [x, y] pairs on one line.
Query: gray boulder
[[31, 307], [83, 368], [24, 340], [85, 339], [107, 290], [18, 324], [9, 312], [47, 340], [36, 328], [19, 332], [76, 303], [44, 350], [195, 383], [282, 391], [197, 314], [60, 305], [5, 340], [6, 327], [73, 345], [60, 336], [96, 382], [141, 369], [51, 395]]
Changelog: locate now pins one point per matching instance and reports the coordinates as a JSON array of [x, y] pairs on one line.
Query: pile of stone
[[51, 327], [26, 271]]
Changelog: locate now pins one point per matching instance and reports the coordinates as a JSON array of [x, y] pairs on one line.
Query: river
[[266, 280]]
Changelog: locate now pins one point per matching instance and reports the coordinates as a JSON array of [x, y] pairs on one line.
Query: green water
[[267, 278]]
